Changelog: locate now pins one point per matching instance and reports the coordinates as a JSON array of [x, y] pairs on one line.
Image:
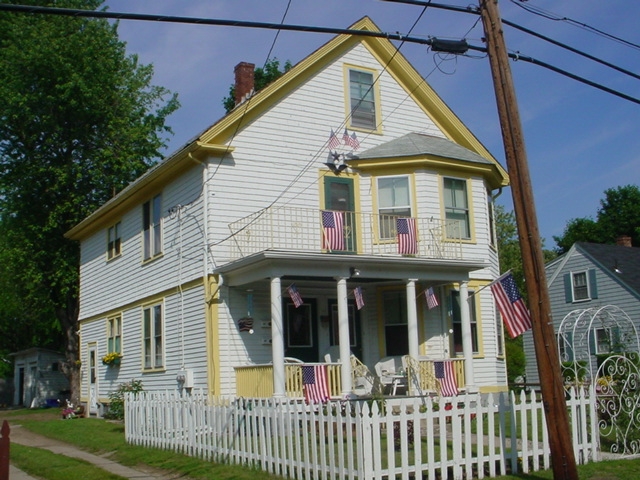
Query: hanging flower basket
[[112, 358]]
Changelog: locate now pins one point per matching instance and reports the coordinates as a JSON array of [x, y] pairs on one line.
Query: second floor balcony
[[336, 232]]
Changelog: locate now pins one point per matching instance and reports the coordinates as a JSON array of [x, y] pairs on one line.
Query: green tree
[[262, 77], [618, 215], [79, 120]]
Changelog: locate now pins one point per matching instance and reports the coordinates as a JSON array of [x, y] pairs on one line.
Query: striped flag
[[346, 139], [354, 142], [447, 378], [407, 238], [334, 141], [357, 292], [333, 233], [514, 312], [296, 298], [315, 383], [432, 300]]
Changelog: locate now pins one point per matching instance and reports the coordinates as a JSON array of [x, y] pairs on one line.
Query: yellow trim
[[212, 324], [108, 320], [473, 286], [346, 68], [494, 389], [472, 224]]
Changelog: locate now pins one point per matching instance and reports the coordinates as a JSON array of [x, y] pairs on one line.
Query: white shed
[[38, 377]]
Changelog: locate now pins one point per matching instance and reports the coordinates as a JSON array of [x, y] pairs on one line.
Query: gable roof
[[215, 140], [610, 257]]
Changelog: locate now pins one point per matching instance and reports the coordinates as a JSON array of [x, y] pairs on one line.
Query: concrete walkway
[[25, 437]]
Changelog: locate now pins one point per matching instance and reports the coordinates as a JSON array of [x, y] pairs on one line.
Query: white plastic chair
[[390, 371]]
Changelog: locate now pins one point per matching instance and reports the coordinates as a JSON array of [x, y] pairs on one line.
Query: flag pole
[[489, 284]]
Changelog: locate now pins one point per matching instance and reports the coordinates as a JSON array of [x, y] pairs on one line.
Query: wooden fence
[[471, 436]]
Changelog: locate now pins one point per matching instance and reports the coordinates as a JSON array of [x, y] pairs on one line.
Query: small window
[[114, 334], [395, 322], [603, 341], [152, 227], [153, 340], [580, 286], [456, 208], [113, 241], [394, 200], [362, 100]]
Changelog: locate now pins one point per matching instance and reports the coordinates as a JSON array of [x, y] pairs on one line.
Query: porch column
[[343, 339], [277, 339], [412, 319], [467, 344]]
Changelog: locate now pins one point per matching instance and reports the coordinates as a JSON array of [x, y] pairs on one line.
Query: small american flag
[[514, 312], [432, 300], [447, 378], [357, 292], [296, 298], [315, 384], [334, 141], [346, 139], [333, 232], [354, 142], [407, 239]]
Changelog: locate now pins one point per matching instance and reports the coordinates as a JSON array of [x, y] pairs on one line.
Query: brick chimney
[[244, 81], [624, 241]]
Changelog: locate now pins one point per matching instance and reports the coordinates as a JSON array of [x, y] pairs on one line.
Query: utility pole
[[553, 395]]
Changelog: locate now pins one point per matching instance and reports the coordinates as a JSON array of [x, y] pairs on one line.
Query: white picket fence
[[471, 436]]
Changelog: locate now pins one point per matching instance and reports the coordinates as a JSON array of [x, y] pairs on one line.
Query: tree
[[79, 120], [617, 216], [262, 77]]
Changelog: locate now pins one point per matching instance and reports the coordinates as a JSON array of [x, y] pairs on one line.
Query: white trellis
[[600, 346]]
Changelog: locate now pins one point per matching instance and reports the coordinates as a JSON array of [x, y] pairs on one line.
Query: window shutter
[[593, 285], [568, 292], [592, 342]]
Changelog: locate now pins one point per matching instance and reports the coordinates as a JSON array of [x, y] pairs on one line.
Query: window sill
[[152, 259]]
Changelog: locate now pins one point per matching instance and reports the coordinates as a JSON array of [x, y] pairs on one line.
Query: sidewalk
[[25, 437]]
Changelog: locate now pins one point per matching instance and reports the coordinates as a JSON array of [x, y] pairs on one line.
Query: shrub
[[116, 399]]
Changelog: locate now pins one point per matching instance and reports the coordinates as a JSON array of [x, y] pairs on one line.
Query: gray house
[[38, 378], [591, 280]]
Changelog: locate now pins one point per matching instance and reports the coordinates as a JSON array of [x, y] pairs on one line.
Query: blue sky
[[580, 141]]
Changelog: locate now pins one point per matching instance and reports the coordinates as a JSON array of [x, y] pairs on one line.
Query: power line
[[301, 28]]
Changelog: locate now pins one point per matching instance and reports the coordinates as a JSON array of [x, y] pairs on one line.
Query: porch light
[[354, 272]]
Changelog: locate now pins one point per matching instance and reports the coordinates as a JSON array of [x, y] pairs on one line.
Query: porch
[[256, 381], [326, 231]]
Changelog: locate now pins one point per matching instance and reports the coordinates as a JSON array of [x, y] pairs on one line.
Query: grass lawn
[[100, 436]]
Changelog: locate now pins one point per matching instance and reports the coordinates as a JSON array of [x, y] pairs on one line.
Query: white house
[[187, 271]]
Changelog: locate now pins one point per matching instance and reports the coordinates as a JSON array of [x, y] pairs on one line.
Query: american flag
[[296, 298], [407, 239], [447, 378], [357, 292], [432, 300], [315, 384], [334, 141], [354, 142], [514, 312], [333, 234], [346, 139]]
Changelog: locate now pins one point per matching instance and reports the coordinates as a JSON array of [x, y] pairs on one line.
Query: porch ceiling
[[277, 263]]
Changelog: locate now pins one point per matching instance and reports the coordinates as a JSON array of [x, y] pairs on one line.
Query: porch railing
[[256, 381], [422, 376], [303, 229]]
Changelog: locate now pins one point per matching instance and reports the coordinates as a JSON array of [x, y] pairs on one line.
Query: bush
[[116, 399]]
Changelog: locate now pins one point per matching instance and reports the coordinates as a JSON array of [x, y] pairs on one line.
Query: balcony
[[317, 231]]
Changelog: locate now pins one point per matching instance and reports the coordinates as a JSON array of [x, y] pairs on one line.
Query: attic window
[[362, 99], [580, 286]]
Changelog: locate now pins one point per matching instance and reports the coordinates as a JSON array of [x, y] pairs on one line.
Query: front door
[[92, 378], [338, 196], [301, 330]]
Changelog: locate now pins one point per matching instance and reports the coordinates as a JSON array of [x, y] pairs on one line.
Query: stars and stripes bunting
[[446, 376], [514, 312], [315, 383], [407, 238], [333, 231], [295, 296]]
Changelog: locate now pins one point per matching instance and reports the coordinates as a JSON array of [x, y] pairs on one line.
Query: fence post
[[4, 451]]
